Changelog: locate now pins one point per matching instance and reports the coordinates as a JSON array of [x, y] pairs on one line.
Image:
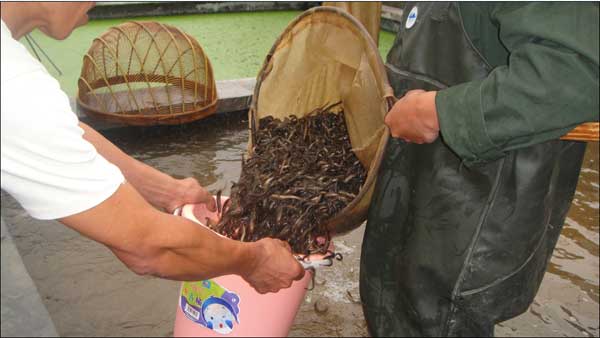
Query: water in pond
[[89, 292], [235, 43]]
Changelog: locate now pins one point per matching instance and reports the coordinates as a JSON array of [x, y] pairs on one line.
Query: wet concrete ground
[[89, 292]]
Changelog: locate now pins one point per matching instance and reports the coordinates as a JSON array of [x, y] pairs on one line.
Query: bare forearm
[[150, 242], [202, 256], [156, 187]]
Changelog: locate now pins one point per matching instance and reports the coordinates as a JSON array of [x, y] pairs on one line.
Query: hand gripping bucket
[[228, 305]]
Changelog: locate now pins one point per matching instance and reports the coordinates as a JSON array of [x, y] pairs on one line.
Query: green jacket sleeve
[[549, 85]]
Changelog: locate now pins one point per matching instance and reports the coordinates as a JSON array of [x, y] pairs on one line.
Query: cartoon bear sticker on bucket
[[210, 305], [215, 307]]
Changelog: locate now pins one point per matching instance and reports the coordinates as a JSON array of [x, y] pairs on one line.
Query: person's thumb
[[194, 193], [206, 198]]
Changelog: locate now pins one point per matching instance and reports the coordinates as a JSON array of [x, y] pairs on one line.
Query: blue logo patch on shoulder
[[412, 17]]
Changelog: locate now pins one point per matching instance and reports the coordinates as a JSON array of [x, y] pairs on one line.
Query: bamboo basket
[[146, 73]]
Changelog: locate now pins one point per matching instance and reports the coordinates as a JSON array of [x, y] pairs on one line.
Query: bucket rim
[[186, 211]]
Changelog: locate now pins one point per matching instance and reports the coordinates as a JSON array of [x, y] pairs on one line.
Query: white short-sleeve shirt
[[46, 163]]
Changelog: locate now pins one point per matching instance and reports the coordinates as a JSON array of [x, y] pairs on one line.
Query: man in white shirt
[[59, 168]]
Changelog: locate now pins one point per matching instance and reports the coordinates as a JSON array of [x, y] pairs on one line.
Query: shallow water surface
[[89, 292]]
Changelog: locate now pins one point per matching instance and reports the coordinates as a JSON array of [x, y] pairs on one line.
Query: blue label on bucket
[[209, 304]]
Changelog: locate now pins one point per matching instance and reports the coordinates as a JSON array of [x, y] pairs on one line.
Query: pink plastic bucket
[[228, 305]]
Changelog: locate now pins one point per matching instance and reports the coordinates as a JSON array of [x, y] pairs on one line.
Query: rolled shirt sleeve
[[46, 164], [549, 86]]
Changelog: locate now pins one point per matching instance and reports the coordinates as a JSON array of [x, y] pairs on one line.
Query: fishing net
[[316, 136], [146, 73], [326, 56]]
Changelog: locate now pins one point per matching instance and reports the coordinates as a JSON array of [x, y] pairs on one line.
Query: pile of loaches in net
[[302, 173]]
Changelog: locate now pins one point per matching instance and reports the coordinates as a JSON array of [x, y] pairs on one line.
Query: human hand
[[189, 191], [414, 117], [274, 267]]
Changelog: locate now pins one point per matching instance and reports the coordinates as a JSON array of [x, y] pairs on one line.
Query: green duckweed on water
[[236, 43]]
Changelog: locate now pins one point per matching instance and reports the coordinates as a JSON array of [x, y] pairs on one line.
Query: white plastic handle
[[177, 211], [315, 264]]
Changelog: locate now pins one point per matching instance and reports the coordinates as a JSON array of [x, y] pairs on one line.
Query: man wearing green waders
[[475, 185]]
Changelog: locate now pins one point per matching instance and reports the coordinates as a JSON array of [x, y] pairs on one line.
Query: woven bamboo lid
[[146, 73]]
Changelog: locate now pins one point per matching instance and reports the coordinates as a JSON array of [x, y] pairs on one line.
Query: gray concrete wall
[[391, 18], [390, 13], [111, 10]]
